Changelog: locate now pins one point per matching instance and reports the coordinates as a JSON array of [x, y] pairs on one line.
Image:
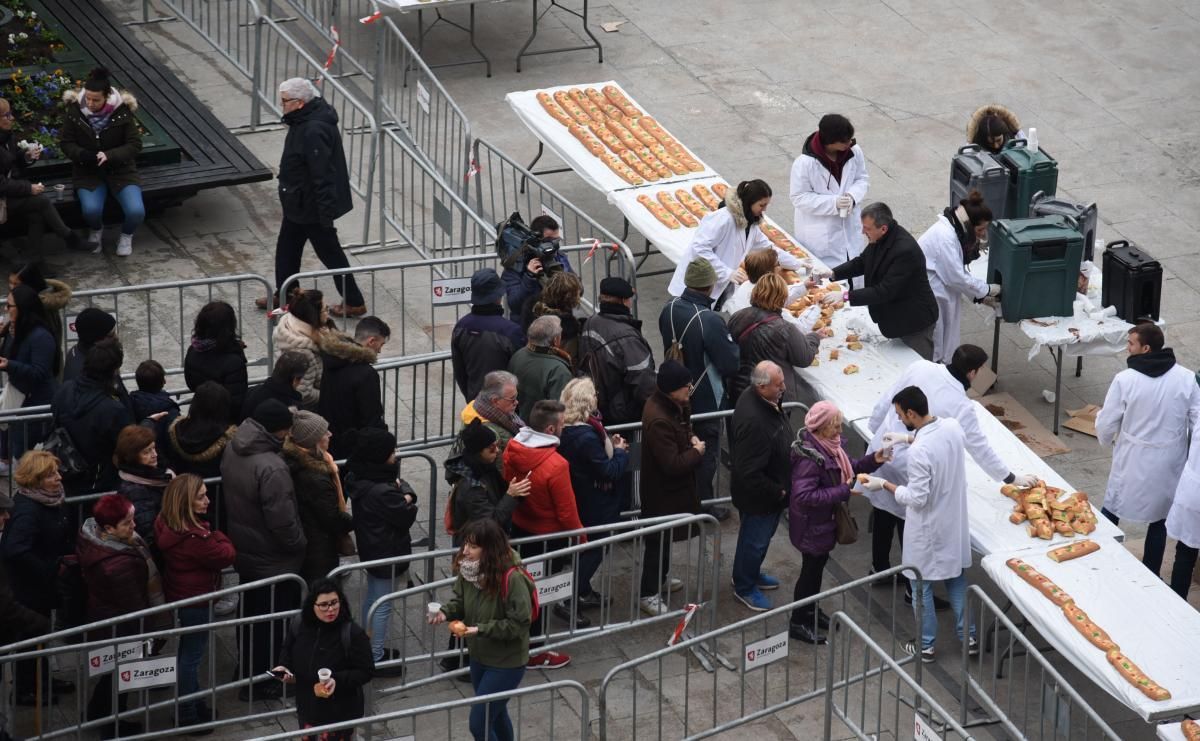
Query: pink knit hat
[[819, 415]]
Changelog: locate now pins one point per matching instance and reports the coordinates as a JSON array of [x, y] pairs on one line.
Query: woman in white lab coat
[[950, 245], [1183, 521], [726, 235], [830, 178]]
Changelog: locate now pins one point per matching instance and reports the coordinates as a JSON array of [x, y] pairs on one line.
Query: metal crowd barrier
[[865, 688], [123, 647], [552, 717], [662, 695], [1056, 710]]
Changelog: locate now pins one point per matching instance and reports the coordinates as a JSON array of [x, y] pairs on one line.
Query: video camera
[[546, 251]]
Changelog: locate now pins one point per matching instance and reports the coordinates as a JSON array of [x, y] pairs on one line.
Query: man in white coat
[[726, 235], [945, 388], [1183, 521], [949, 245], [828, 184], [937, 541], [1148, 411]]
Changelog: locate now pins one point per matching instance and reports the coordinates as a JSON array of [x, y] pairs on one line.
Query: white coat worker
[[953, 242], [726, 235], [1148, 411], [757, 264], [937, 541], [828, 184], [1183, 521], [945, 387]]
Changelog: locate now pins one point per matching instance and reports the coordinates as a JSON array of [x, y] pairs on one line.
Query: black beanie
[[273, 415], [476, 437], [673, 376], [93, 325], [370, 445]]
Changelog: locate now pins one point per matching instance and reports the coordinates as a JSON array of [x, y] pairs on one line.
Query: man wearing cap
[[264, 525], [614, 353], [483, 340], [672, 455], [697, 332]]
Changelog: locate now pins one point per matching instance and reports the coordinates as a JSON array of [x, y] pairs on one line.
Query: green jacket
[[503, 638], [541, 374]]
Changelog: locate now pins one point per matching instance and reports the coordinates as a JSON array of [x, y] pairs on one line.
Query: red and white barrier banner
[[689, 610]]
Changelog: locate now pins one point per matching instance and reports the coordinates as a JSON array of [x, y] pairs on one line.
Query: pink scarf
[[834, 449]]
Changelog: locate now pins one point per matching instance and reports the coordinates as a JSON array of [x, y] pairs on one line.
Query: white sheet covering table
[[1152, 625]]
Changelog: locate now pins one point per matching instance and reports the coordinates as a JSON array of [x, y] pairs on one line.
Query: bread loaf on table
[[679, 212], [554, 109], [591, 143], [572, 108], [641, 168], [690, 203], [624, 171], [1075, 550], [1094, 633], [720, 189], [706, 196], [646, 138], [617, 98], [1137, 677], [660, 213], [1191, 729]]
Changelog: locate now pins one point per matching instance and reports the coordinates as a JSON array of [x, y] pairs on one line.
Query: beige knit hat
[[308, 429]]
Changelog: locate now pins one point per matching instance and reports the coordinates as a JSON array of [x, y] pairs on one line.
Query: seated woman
[[102, 138], [25, 198], [993, 126]]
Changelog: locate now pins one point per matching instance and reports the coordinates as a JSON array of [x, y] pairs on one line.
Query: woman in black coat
[[217, 354], [318, 493], [143, 478], [324, 636], [32, 361]]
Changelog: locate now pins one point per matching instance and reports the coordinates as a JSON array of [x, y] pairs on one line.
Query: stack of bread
[[1047, 514]]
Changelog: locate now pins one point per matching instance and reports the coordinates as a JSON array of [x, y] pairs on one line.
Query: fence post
[[256, 76]]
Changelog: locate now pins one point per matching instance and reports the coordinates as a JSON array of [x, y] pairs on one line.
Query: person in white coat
[[949, 245], [829, 181], [726, 235], [945, 387], [1183, 520], [1148, 411], [937, 541]]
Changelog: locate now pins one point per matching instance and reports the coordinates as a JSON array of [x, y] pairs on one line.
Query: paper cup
[[843, 212], [324, 675], [434, 609]]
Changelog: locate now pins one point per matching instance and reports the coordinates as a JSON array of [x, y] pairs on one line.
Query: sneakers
[[562, 611], [125, 245], [927, 655], [672, 584], [766, 582], [227, 605], [92, 244], [972, 646], [755, 600], [548, 660], [653, 605], [343, 310]]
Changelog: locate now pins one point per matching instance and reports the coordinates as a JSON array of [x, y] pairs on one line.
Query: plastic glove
[[820, 272], [808, 318], [991, 301], [845, 202], [833, 297], [896, 438], [1025, 480], [873, 483], [993, 290], [739, 276], [795, 291]]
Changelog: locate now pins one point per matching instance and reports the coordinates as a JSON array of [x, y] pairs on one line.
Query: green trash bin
[[1028, 173], [1036, 263]]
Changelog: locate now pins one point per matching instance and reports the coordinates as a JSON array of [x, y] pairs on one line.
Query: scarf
[[337, 480], [469, 571], [511, 422], [135, 544], [45, 497], [99, 119], [154, 477], [836, 165], [833, 448], [200, 345]]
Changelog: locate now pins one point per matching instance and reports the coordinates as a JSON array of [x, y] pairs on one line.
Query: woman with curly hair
[[560, 297]]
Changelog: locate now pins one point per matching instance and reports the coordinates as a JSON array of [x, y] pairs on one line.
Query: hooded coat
[[317, 501], [314, 183], [766, 335], [264, 524], [34, 539], [351, 397], [1010, 120], [311, 645], [120, 140], [295, 334], [477, 492], [817, 487], [550, 505], [116, 574], [194, 449], [225, 366], [94, 418], [669, 462], [55, 299], [383, 514]]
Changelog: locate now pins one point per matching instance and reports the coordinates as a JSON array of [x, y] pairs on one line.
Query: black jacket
[[316, 645], [614, 353], [33, 540], [17, 622], [351, 397], [94, 418], [897, 292], [12, 168], [225, 366], [382, 513], [314, 184], [316, 500], [709, 352], [284, 393], [477, 492], [147, 499], [120, 140], [483, 341], [762, 462], [597, 478], [193, 448]]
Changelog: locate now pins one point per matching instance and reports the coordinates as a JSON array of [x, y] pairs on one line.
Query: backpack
[[511, 237], [343, 634], [675, 348], [536, 608]]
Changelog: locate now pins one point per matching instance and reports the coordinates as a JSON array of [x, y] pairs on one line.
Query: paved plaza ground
[[1112, 88]]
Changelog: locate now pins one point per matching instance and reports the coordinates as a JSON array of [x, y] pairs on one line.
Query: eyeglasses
[[331, 604], [508, 398], [285, 101], [7, 115]]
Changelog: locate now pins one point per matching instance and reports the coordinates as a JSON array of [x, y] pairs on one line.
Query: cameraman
[[540, 256]]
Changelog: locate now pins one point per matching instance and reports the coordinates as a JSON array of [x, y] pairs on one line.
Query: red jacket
[[192, 560], [550, 506], [116, 575]]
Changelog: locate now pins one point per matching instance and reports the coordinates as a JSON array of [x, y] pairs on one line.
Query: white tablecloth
[[1171, 732], [407, 5], [670, 242], [560, 141], [1156, 629]]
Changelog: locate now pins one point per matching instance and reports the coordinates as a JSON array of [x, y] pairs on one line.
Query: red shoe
[[548, 660], [342, 310]]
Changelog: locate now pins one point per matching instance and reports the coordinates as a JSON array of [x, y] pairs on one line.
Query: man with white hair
[[314, 191], [542, 367]]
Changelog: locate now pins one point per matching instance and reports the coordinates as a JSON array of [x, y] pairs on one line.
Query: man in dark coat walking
[[314, 191], [897, 292]]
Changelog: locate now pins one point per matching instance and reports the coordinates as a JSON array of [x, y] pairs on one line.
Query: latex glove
[[821, 273], [795, 291], [831, 298], [896, 438], [808, 318], [1025, 480], [845, 202], [991, 301], [873, 483], [739, 276], [993, 290]]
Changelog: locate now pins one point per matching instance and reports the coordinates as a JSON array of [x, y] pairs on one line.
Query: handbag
[[11, 399], [71, 462], [845, 524]]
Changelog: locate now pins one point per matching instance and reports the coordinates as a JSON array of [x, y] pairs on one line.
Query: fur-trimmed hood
[[298, 457], [126, 98], [186, 449], [983, 112], [344, 347], [56, 296], [734, 204]]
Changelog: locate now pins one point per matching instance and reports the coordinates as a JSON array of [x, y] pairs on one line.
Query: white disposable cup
[[843, 212], [324, 675], [434, 609], [58, 191]]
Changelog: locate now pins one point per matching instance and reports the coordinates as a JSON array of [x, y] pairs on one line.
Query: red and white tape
[[688, 611]]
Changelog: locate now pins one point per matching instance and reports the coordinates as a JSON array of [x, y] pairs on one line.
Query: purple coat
[[816, 487]]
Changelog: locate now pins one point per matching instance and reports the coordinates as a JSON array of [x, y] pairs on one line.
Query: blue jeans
[[490, 721], [191, 653], [957, 589], [91, 202], [377, 586], [754, 537]]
